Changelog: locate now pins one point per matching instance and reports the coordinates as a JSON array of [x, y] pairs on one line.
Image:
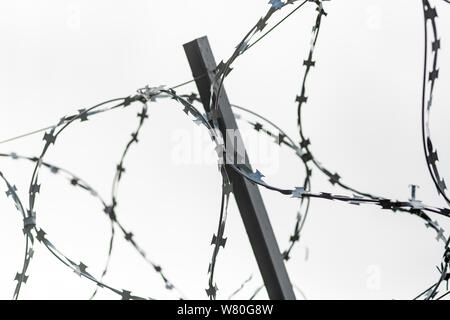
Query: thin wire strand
[[276, 25]]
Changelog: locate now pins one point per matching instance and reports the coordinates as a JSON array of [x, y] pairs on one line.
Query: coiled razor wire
[[255, 177], [209, 120], [30, 226], [430, 77], [76, 181], [306, 155], [261, 127], [50, 138], [412, 206]]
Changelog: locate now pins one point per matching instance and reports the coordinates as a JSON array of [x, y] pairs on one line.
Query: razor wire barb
[[210, 122]]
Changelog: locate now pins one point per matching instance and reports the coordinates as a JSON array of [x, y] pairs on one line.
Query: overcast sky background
[[362, 116]]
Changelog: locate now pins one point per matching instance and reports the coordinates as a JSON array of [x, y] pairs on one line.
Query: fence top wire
[[209, 121]]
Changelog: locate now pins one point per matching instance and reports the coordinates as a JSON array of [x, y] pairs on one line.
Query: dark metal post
[[247, 195]]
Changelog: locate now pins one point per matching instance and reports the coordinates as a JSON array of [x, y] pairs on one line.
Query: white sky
[[362, 116]]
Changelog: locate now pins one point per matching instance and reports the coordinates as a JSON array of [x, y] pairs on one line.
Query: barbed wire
[[30, 216], [83, 115], [429, 80], [75, 181], [281, 137], [210, 122], [222, 70], [111, 211], [242, 286], [335, 178], [412, 206], [256, 177], [30, 226], [108, 209], [430, 152], [306, 155]]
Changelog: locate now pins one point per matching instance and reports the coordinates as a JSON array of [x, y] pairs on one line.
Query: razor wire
[[209, 121], [412, 206], [77, 182], [50, 138], [40, 235]]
